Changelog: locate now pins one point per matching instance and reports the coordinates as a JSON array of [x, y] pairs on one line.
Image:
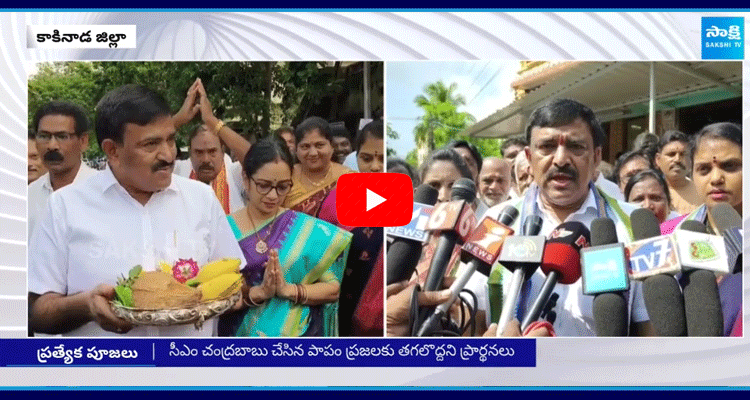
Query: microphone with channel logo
[[561, 263], [406, 249], [653, 259], [604, 274], [482, 249], [521, 255], [702, 303], [454, 220]]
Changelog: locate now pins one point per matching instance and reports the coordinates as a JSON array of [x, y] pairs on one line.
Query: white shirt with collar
[[234, 179], [41, 189], [351, 161], [574, 310], [95, 232]]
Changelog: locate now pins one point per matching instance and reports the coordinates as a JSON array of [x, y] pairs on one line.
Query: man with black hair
[[342, 142], [62, 134], [565, 147], [511, 147], [208, 162], [469, 153], [672, 161], [136, 212]]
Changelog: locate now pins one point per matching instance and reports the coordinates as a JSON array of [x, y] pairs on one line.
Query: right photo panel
[[566, 198]]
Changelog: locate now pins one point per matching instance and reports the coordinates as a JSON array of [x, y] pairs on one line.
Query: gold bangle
[[251, 303], [218, 126]]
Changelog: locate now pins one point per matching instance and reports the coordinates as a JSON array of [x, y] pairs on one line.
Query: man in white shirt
[[61, 137], [134, 213], [565, 145], [208, 163]]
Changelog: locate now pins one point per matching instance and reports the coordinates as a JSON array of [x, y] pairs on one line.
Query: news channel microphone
[[454, 220], [521, 255], [729, 225], [561, 263], [702, 303], [482, 249], [406, 249], [653, 259], [604, 275]]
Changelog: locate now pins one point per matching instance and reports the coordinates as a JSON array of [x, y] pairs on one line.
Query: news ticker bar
[[268, 352]]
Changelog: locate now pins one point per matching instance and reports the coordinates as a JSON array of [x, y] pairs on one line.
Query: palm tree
[[440, 105]]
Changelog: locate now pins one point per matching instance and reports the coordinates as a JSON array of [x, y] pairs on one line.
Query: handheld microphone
[[702, 303], [654, 259], [482, 247], [605, 276], [404, 253], [729, 224], [454, 220], [521, 255], [561, 263]]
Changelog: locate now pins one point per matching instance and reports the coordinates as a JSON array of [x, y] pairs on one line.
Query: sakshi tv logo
[[722, 38]]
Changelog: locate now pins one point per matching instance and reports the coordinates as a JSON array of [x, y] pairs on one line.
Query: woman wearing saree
[[716, 154], [315, 175], [294, 262]]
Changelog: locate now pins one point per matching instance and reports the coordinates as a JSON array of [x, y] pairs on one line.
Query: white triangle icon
[[373, 200]]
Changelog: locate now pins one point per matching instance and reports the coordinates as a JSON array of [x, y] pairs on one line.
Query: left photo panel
[[196, 199]]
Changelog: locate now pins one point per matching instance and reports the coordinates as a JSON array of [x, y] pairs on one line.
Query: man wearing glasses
[[61, 137]]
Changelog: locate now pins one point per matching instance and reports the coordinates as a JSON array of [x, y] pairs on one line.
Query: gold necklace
[[261, 246], [320, 182]]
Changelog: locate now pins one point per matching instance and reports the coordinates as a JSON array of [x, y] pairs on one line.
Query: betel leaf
[[135, 271], [124, 295]]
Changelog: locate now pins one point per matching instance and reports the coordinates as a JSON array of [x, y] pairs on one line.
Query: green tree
[[442, 122], [252, 97]]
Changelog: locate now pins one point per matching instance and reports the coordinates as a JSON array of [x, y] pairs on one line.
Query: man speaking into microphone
[[565, 147]]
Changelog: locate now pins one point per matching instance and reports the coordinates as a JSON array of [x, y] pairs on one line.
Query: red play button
[[382, 199]]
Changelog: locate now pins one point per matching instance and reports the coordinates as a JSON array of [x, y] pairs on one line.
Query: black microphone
[[702, 302], [661, 292], [729, 225], [522, 255], [454, 220], [482, 248], [561, 263], [605, 276], [454, 223], [403, 254]]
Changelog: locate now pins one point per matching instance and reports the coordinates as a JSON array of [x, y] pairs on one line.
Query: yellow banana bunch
[[215, 269], [220, 287]]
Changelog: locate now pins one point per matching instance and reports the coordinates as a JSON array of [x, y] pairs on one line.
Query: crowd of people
[[557, 173], [304, 274]]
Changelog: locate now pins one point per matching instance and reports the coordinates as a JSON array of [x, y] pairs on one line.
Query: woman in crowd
[[399, 166], [315, 175], [648, 188], [716, 154], [441, 169], [295, 262], [360, 309]]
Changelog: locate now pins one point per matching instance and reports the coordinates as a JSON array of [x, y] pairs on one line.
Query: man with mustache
[[342, 142], [135, 212], [208, 163], [565, 146], [672, 161], [494, 181], [61, 133]]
